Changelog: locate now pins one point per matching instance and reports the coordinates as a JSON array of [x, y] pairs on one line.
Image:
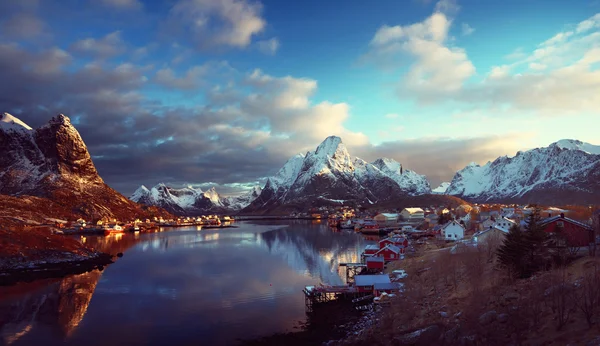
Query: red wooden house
[[375, 263], [389, 253], [575, 233]]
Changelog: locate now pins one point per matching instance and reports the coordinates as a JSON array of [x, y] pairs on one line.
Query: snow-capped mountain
[[52, 162], [442, 188], [329, 175], [191, 201], [565, 172]]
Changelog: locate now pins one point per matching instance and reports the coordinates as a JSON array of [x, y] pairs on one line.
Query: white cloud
[[467, 29], [193, 78], [269, 47], [123, 4], [437, 67], [560, 76], [391, 115], [208, 23], [285, 103], [105, 47]]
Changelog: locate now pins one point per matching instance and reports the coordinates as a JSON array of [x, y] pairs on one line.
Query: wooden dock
[[317, 295]]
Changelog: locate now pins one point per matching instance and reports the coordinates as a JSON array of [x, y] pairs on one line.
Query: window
[[560, 224]]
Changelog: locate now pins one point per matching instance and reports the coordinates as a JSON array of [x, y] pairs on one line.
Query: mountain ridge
[[52, 163], [567, 171], [329, 175]]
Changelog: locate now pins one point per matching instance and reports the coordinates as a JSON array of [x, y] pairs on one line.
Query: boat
[[108, 230], [370, 226], [346, 224]]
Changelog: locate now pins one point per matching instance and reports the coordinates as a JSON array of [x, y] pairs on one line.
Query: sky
[[222, 92]]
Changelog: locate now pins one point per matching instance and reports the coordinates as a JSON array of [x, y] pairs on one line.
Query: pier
[[316, 295]]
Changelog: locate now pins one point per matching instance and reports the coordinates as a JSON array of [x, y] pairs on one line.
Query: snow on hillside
[[572, 144], [191, 199], [442, 188], [407, 180], [566, 165], [330, 173], [9, 122]]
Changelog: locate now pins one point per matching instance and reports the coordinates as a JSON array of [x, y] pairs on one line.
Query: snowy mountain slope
[[52, 162], [567, 171], [330, 175], [442, 188], [408, 180], [191, 201]]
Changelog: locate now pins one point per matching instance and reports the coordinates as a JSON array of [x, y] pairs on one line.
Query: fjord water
[[183, 287]]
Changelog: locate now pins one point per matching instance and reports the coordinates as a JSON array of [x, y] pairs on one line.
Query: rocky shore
[[33, 254]]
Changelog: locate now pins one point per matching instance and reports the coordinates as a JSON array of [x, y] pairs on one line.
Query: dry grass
[[455, 290]]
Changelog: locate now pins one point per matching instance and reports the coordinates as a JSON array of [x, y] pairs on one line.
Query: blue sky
[[433, 84]]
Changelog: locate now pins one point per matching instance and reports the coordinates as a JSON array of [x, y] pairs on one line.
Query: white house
[[496, 234], [386, 219], [412, 214], [453, 231], [504, 222]]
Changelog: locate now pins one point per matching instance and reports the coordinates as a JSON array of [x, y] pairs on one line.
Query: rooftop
[[371, 280]]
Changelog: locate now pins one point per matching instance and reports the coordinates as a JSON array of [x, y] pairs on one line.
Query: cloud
[[391, 115], [467, 29], [123, 4], [191, 79], [22, 26], [105, 47], [269, 47], [249, 125], [560, 76], [210, 23], [437, 69]]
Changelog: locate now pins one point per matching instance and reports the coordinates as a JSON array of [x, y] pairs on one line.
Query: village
[[411, 230], [113, 226]]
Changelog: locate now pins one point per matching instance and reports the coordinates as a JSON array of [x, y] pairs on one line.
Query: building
[[453, 231], [504, 222], [389, 253], [371, 249], [491, 234], [386, 219], [412, 214], [573, 233], [432, 218], [375, 263], [375, 283]]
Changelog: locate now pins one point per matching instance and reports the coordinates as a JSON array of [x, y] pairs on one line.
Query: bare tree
[[587, 297], [561, 297]]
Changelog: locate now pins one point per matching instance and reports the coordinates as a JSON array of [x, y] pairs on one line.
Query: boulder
[[421, 337], [502, 318], [487, 318]]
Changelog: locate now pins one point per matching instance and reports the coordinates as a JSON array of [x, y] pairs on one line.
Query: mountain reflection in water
[[182, 286]]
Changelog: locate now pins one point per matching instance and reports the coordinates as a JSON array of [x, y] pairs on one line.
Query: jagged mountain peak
[[330, 146], [330, 175], [573, 144], [567, 171], [191, 200], [10, 122]]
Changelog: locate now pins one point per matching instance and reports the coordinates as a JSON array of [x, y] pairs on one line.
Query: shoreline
[[44, 269]]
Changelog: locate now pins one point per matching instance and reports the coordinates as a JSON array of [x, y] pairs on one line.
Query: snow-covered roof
[[414, 210], [372, 247], [389, 215], [556, 218], [452, 223], [391, 247], [371, 280], [374, 259]]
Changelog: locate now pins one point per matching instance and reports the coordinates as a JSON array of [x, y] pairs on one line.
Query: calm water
[[183, 287]]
